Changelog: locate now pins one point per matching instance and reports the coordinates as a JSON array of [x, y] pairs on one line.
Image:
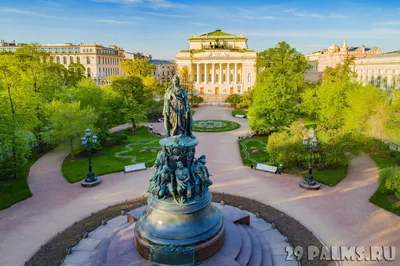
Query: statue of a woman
[[177, 115]]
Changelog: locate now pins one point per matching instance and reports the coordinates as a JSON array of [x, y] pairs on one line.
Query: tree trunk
[[14, 150], [133, 127], [72, 149]]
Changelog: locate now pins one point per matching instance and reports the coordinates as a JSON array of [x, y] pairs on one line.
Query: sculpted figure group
[[183, 183]]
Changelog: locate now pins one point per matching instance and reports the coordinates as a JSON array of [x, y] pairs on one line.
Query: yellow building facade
[[219, 63], [99, 61]]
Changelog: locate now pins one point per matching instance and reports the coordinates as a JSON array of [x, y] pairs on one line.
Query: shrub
[[195, 100], [390, 178], [398, 159], [234, 99], [115, 139], [154, 110]]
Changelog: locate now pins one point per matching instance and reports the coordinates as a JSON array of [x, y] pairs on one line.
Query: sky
[[162, 27]]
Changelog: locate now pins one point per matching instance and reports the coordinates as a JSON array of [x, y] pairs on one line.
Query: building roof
[[217, 32], [161, 61]]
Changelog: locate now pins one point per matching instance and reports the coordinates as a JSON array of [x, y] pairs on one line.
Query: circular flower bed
[[214, 125]]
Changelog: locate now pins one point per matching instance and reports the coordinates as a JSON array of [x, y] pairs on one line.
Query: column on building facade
[[205, 73], [213, 73], [198, 73], [228, 74], [235, 79], [220, 73]]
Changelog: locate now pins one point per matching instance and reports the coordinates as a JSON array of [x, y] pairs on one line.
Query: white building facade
[[219, 63], [165, 70]]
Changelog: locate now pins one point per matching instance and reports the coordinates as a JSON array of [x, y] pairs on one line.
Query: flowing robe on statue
[[177, 114]]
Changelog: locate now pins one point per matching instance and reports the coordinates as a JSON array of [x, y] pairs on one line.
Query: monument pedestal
[[179, 234]]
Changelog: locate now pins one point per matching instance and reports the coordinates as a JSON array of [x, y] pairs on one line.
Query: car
[[161, 119]]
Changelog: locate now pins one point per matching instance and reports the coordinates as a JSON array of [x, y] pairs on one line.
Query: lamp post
[[91, 180], [311, 144]]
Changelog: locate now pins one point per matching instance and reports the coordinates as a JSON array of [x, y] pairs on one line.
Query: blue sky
[[162, 27]]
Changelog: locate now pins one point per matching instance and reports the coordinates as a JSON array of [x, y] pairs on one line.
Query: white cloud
[[199, 24], [109, 21], [393, 22], [164, 15]]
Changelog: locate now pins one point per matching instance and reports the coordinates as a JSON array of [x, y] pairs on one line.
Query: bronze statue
[[177, 115], [203, 176], [184, 187]]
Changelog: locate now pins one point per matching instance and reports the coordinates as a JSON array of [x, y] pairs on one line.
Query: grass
[[239, 112], [214, 125], [309, 123], [383, 157], [18, 190], [53, 252], [140, 148], [329, 177], [253, 151]]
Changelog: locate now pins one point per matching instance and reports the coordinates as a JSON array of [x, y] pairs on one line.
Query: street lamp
[[91, 180], [311, 144]]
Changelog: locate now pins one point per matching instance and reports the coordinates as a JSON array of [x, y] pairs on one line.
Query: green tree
[[342, 72], [138, 67], [276, 94], [367, 111], [68, 122], [246, 100], [195, 100], [234, 99], [186, 80], [134, 113]]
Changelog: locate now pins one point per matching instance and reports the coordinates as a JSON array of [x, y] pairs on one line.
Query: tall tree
[[341, 72], [275, 96], [68, 122], [138, 67], [186, 80]]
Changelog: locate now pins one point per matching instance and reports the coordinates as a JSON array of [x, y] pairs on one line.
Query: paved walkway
[[341, 215]]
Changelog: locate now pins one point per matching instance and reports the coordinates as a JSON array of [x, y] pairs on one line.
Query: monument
[[180, 225]]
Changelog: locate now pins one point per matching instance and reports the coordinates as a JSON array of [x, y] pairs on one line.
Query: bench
[[239, 116], [135, 167], [270, 168]]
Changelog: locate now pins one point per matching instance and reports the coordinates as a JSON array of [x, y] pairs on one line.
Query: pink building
[[333, 55]]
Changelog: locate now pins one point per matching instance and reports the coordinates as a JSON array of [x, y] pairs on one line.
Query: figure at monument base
[[180, 225]]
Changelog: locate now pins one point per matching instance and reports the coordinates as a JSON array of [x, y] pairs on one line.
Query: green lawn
[[214, 125], [239, 112], [15, 191], [329, 177], [140, 148], [309, 123], [253, 150], [382, 197]]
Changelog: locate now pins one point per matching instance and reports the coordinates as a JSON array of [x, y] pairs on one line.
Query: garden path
[[341, 215]]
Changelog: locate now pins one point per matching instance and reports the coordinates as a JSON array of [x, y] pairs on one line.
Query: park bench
[[240, 116], [135, 167], [269, 168]]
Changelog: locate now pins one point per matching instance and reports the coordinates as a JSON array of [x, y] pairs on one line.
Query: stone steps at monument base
[[256, 256], [246, 249], [266, 258], [122, 247]]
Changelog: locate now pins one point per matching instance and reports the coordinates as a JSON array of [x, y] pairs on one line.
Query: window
[[71, 60], [89, 74], [98, 60], [64, 60], [78, 60], [249, 77], [57, 59]]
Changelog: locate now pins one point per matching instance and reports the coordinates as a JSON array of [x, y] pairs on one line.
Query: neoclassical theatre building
[[219, 63]]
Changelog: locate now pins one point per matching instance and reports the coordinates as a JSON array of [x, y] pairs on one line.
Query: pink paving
[[339, 216]]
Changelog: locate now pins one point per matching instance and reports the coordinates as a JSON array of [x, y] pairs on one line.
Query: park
[[66, 199]]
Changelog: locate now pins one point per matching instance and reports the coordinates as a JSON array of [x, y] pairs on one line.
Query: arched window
[[71, 59], [249, 77], [238, 78], [89, 72], [64, 60], [57, 59], [88, 60]]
